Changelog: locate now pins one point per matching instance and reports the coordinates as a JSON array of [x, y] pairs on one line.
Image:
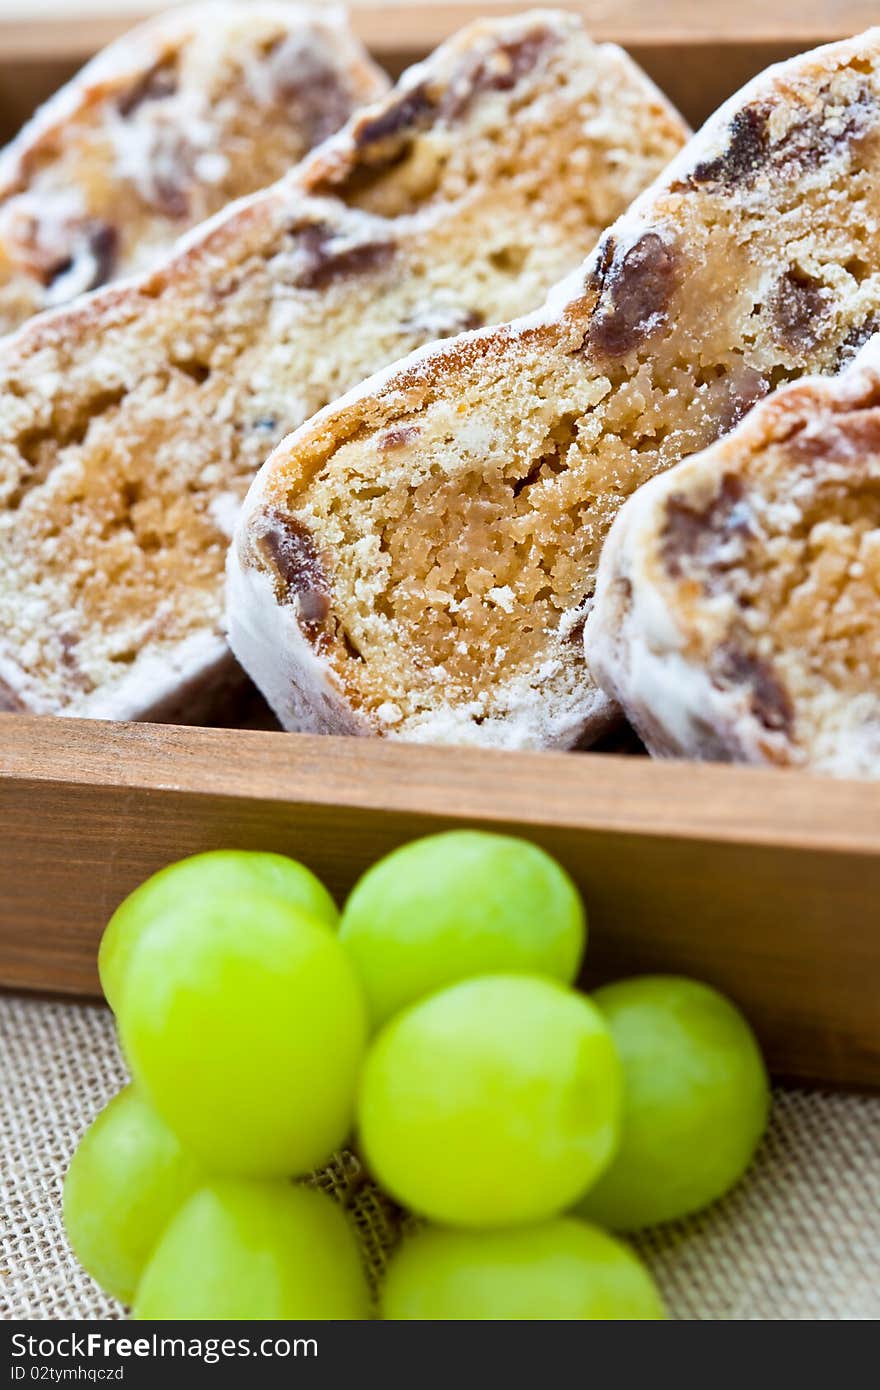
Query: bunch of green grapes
[[436, 1026]]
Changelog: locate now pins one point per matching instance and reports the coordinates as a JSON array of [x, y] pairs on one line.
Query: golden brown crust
[[762, 554], [460, 564], [131, 59], [164, 127], [132, 423]]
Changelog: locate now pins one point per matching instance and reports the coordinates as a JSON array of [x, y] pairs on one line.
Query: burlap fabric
[[800, 1238]]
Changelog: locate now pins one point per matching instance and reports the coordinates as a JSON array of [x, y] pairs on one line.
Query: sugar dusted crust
[[737, 611], [435, 536], [132, 423], [160, 131]]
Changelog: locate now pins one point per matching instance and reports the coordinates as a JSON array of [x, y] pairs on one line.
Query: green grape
[[245, 1025], [125, 1182], [246, 1250], [558, 1270], [494, 1101], [456, 905], [192, 882], [695, 1101]]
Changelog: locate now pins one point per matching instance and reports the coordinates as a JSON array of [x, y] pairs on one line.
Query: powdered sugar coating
[[164, 127], [299, 688], [751, 636], [305, 694], [752, 259], [133, 422]]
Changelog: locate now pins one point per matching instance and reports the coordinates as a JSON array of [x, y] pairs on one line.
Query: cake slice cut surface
[[419, 561], [737, 611], [160, 131], [132, 423]]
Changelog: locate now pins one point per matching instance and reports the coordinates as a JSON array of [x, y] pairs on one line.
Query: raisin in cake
[[162, 130], [420, 559], [132, 424], [737, 610]]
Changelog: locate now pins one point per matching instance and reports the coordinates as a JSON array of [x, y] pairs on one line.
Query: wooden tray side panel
[[765, 924], [766, 885]]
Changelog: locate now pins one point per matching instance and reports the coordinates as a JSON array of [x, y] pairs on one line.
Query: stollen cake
[[420, 559], [132, 423], [160, 131], [737, 611]]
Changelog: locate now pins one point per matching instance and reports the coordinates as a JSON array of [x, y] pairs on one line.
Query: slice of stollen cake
[[160, 131], [132, 424], [419, 560], [737, 610]]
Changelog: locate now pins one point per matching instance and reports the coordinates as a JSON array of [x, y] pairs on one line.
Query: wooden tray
[[765, 883]]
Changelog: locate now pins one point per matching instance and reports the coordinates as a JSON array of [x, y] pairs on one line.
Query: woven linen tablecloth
[[798, 1239]]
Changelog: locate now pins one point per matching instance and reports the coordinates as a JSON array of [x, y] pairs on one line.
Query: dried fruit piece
[[462, 562], [160, 131], [737, 612]]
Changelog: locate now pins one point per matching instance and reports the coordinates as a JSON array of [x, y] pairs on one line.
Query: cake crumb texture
[[442, 527], [160, 131], [132, 424], [738, 608]]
